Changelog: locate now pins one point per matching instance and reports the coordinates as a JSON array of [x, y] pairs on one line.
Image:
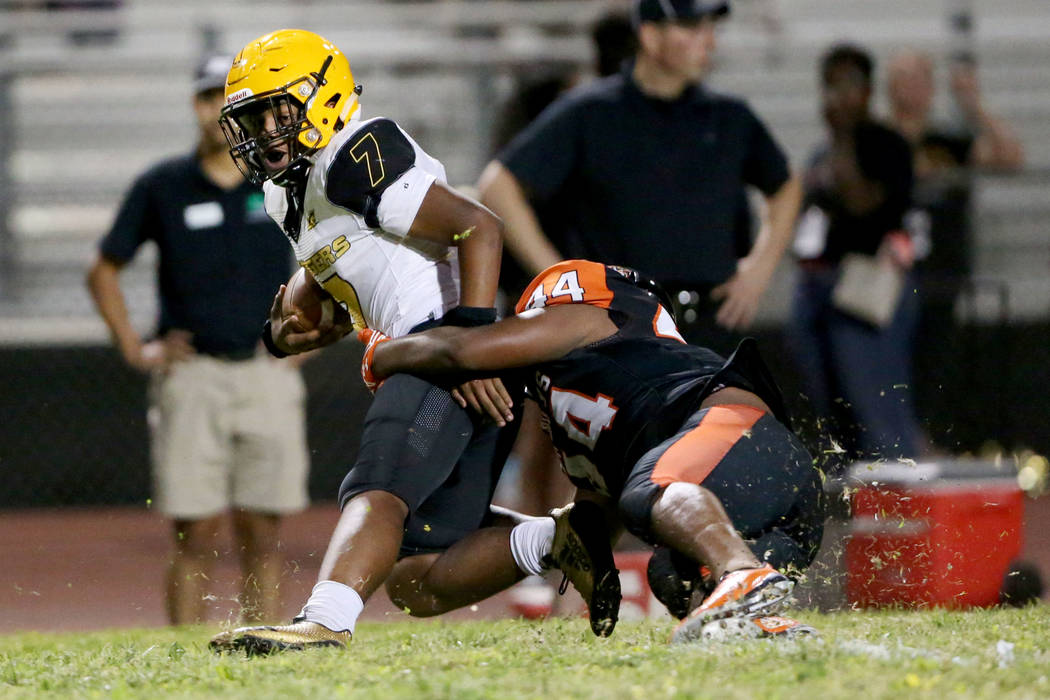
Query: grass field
[[984, 654]]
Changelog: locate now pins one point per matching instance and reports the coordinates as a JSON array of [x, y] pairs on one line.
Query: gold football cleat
[[267, 640], [582, 551]]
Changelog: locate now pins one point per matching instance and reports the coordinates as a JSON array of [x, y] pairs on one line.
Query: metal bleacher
[[88, 114]]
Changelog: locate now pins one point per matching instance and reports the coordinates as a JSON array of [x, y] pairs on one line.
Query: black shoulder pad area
[[369, 162]]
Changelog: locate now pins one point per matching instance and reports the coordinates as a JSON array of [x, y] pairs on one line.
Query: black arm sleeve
[[369, 162], [469, 316]]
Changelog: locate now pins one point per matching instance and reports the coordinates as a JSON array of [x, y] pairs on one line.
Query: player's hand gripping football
[[290, 334]]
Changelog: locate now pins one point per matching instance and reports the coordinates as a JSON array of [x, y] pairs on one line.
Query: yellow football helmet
[[287, 93]]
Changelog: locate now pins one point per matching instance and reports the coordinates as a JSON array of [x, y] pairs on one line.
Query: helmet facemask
[[273, 128], [270, 128], [287, 94]]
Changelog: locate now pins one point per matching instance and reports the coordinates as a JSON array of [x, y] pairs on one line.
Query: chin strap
[[293, 179], [353, 105]]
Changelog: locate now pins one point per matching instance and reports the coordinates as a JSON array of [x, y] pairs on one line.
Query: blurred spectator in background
[[614, 43], [648, 170], [542, 485], [227, 421], [982, 139], [855, 308], [528, 100], [946, 155]]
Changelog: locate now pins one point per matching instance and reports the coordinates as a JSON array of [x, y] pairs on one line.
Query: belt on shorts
[[231, 355]]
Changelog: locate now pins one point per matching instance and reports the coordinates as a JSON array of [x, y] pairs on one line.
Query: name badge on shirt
[[811, 234], [203, 215], [255, 208]]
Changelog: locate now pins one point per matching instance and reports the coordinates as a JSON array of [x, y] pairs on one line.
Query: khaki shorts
[[228, 434]]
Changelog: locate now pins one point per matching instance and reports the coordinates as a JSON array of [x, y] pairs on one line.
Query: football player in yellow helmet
[[371, 217], [287, 93]]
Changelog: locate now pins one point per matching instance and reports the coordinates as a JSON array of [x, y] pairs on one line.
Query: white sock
[[530, 542], [334, 605]]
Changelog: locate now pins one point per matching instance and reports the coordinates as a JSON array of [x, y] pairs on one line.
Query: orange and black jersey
[[611, 401]]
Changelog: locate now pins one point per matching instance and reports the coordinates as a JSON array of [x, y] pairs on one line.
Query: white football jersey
[[361, 197]]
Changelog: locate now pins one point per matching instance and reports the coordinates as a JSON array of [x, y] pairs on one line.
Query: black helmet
[[650, 285]]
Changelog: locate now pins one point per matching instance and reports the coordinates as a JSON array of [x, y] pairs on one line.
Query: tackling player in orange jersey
[[688, 450]]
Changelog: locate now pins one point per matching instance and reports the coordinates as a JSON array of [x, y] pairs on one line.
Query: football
[[315, 305]]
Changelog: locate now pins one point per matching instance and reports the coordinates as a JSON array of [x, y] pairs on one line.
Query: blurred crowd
[[882, 236]]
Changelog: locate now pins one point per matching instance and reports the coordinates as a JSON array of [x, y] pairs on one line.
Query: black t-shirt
[[221, 258], [884, 157], [651, 184], [610, 402], [943, 193]]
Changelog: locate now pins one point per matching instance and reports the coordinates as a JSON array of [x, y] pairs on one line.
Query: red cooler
[[638, 600], [941, 534]]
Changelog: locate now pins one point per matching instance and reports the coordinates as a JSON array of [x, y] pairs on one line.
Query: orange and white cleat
[[768, 627], [742, 593]]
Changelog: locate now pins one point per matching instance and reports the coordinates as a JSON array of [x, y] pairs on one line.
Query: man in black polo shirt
[[227, 422], [649, 170]]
